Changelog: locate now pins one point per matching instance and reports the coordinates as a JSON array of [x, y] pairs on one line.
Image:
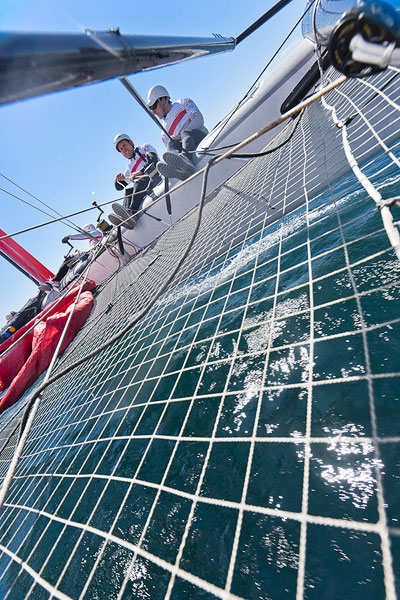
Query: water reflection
[[257, 340], [238, 412], [247, 255], [280, 551], [137, 572], [289, 366], [349, 469], [378, 273], [286, 330]]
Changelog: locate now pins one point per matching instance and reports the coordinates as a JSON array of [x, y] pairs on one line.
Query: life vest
[[138, 160], [178, 115]]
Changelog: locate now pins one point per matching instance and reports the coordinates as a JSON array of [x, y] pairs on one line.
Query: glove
[[176, 144], [66, 239]]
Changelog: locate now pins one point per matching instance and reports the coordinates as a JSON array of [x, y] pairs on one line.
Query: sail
[[24, 261]]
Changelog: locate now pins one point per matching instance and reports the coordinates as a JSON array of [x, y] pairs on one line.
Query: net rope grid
[[270, 321], [214, 160]]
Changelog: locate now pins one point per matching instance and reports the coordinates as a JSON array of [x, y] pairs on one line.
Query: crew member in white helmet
[[89, 232], [141, 170], [185, 126]]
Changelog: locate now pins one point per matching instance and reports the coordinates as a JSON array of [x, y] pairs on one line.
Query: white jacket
[[182, 116], [95, 233], [136, 163]]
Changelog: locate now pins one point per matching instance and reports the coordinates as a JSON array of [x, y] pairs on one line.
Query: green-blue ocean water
[[176, 451]]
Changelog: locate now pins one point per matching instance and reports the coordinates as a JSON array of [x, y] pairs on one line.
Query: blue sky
[[59, 146]]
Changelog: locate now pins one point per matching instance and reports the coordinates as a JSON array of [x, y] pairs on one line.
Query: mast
[[23, 261], [38, 63]]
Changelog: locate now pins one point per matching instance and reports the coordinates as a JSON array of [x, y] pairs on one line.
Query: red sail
[[24, 261]]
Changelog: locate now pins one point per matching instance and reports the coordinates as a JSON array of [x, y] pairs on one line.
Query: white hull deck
[[260, 109]]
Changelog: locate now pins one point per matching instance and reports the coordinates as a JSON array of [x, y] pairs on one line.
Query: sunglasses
[[153, 106]]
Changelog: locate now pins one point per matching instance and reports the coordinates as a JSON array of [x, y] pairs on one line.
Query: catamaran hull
[[261, 108]]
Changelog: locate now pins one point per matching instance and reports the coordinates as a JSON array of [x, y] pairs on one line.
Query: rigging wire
[[34, 401], [32, 196], [76, 227], [27, 203], [79, 212], [238, 105], [263, 19]]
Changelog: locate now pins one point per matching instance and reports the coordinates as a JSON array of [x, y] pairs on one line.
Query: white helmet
[[156, 92], [89, 228], [118, 138]]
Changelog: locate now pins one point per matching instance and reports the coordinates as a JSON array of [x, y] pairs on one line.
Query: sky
[[59, 147]]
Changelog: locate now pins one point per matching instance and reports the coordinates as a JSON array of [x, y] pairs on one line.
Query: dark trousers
[[135, 195], [190, 139], [67, 263]]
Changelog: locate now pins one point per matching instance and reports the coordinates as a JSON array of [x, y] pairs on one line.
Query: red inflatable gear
[[22, 365]]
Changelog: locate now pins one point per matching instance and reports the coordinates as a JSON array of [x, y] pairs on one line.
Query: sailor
[[185, 126], [141, 170], [91, 233]]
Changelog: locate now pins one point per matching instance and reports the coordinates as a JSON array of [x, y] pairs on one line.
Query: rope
[[28, 416], [394, 238], [391, 230], [254, 154], [34, 402]]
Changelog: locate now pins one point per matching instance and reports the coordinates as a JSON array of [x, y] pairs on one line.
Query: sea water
[[249, 437]]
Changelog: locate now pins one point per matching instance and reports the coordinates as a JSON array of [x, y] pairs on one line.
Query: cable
[[265, 17], [238, 105], [79, 212], [265, 152], [35, 399], [26, 202], [32, 196]]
